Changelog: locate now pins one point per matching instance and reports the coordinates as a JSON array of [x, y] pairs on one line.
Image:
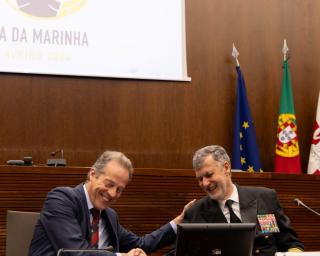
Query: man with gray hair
[[81, 217], [228, 202]]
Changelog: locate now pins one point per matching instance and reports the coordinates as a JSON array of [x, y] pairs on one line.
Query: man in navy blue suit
[[65, 220]]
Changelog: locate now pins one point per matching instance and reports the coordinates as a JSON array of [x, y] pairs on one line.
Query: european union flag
[[245, 155]]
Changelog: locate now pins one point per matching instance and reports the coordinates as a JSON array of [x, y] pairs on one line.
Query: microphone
[[299, 202], [63, 250], [58, 151]]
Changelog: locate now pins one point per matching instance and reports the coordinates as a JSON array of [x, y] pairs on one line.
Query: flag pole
[[245, 153], [287, 153]]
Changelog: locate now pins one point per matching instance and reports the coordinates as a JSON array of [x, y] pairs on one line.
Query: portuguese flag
[[287, 147]]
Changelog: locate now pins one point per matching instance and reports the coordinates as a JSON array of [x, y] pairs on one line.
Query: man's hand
[[180, 217], [295, 249], [135, 252]]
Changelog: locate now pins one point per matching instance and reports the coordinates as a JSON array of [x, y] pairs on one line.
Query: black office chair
[[20, 227]]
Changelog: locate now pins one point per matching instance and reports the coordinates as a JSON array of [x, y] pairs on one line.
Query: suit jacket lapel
[[85, 218], [248, 206], [212, 212], [111, 227]]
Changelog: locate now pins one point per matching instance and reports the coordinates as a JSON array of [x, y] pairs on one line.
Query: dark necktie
[[95, 227], [233, 216]]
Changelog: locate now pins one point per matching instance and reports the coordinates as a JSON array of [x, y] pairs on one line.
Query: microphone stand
[[299, 202]]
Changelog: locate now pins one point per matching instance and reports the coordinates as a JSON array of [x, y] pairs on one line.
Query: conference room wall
[[161, 123]]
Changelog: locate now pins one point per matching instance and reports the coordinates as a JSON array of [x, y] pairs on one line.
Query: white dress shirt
[[235, 205], [103, 242]]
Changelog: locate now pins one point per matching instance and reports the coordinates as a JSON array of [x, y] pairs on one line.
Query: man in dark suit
[[81, 217], [248, 204]]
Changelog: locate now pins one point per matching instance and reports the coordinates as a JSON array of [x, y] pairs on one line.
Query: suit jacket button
[[266, 237], [257, 251]]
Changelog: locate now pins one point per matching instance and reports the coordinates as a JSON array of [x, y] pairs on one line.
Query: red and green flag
[[314, 157], [287, 158]]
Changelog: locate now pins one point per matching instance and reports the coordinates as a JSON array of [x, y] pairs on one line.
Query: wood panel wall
[[161, 123], [156, 196]]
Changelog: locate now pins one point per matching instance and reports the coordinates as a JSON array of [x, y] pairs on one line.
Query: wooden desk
[[155, 196]]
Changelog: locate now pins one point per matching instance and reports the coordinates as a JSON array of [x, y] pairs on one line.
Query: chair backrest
[[20, 227]]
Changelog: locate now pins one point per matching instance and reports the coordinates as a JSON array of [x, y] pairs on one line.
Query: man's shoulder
[[67, 193], [66, 199], [202, 202], [263, 193], [262, 190], [68, 190]]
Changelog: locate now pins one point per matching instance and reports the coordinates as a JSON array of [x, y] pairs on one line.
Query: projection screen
[[140, 39]]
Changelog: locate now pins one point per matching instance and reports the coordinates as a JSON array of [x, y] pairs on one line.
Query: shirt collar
[[234, 197], [89, 204]]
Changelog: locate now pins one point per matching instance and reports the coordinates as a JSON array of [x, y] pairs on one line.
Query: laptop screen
[[207, 239]]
